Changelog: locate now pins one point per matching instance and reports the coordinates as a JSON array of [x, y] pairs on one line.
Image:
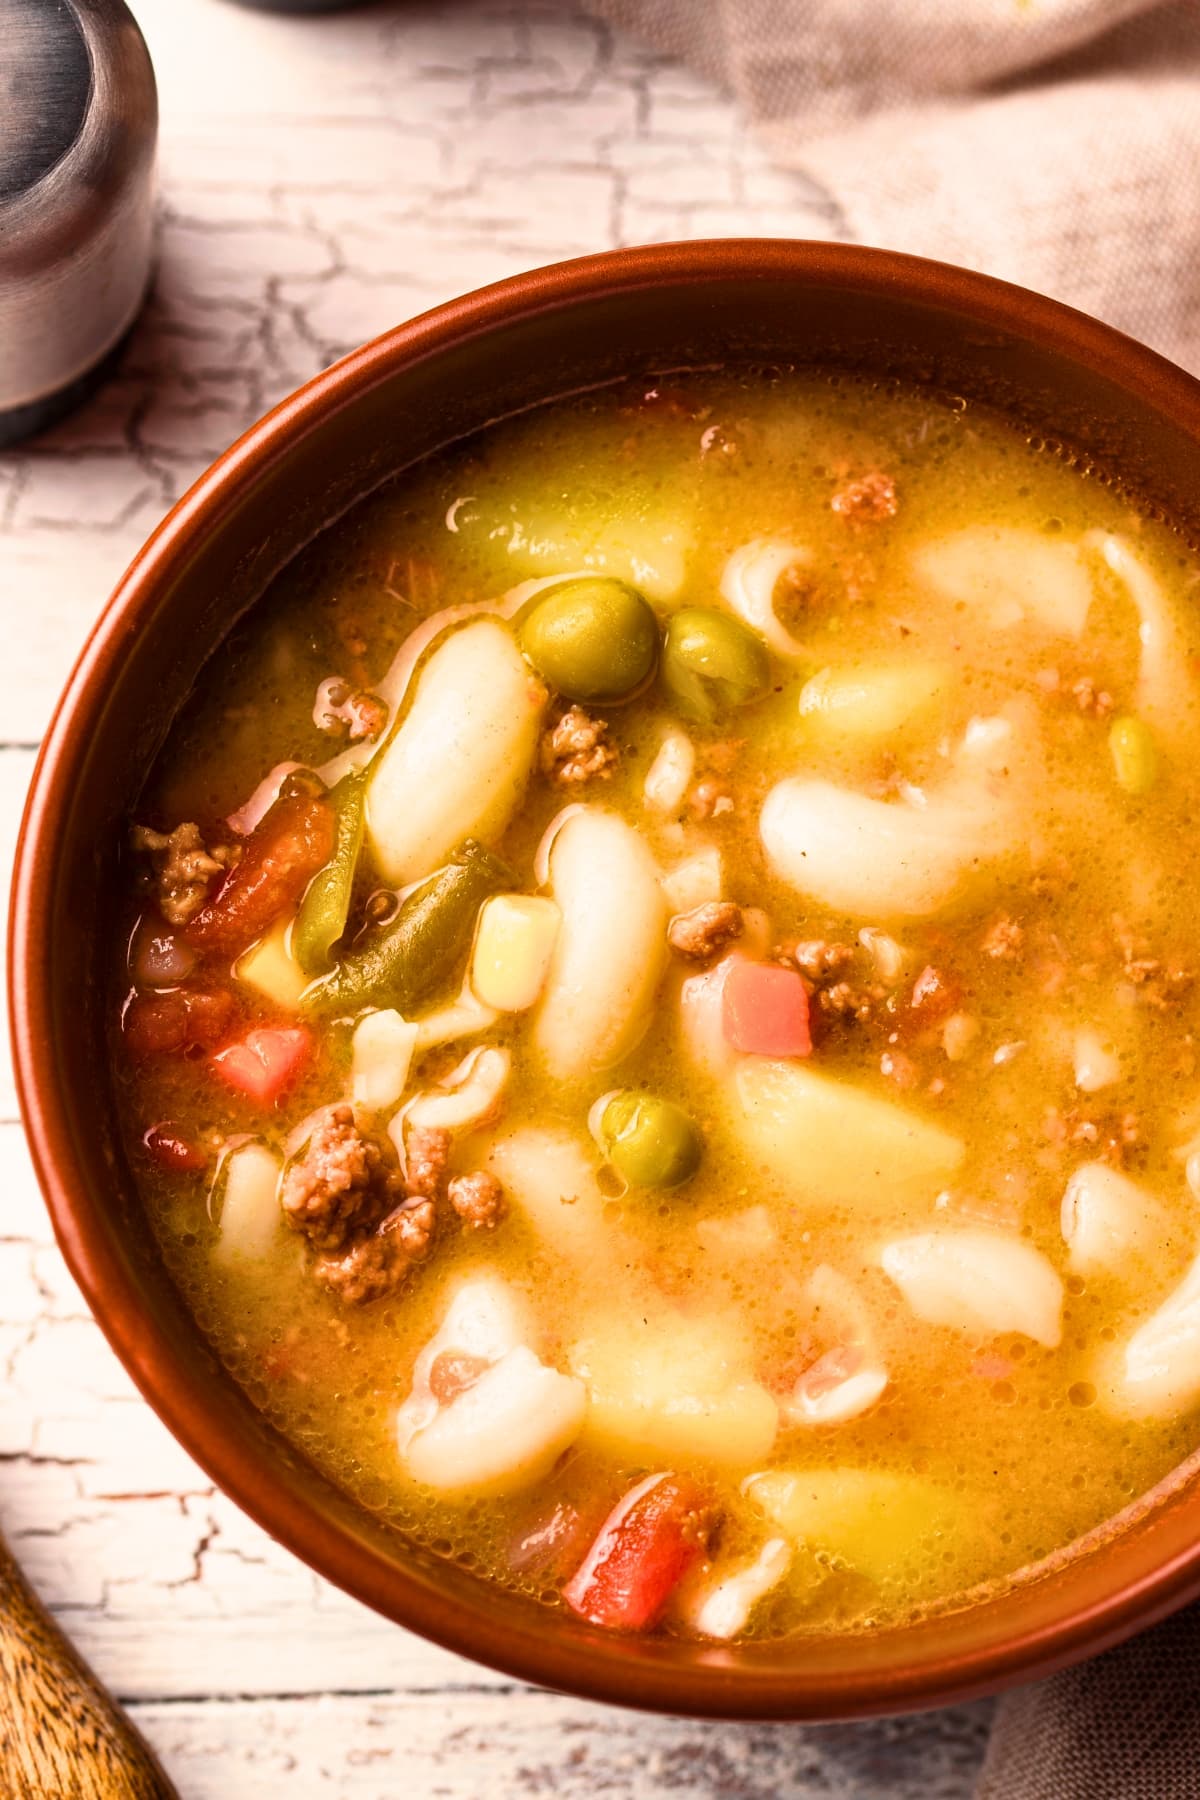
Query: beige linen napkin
[[1053, 142]]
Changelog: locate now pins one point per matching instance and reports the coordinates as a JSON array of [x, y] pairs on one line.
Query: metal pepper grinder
[[78, 128]]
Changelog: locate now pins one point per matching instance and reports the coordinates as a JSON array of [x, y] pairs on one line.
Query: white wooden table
[[321, 180]]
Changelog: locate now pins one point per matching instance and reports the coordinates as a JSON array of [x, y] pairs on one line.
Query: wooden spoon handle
[[60, 1733]]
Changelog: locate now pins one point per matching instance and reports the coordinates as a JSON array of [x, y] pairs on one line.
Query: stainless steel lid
[[78, 126]]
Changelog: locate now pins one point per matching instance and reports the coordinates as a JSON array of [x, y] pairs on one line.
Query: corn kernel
[[513, 946]]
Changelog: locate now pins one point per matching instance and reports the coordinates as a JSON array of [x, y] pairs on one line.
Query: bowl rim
[[600, 1670]]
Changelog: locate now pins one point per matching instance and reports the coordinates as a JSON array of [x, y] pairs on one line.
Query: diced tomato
[[266, 1061], [281, 856], [934, 997], [764, 1010], [552, 1541], [644, 1549], [177, 1019], [171, 1150]]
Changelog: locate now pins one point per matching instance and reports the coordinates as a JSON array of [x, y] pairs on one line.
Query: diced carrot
[[171, 1150], [266, 1061], [281, 856], [764, 1010], [644, 1549], [177, 1019]]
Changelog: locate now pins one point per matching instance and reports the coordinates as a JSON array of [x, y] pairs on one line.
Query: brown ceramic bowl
[[559, 329]]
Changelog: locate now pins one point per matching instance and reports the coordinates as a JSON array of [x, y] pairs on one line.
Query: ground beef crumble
[[826, 966], [478, 1199], [427, 1151], [376, 1264], [371, 1225], [699, 934], [183, 869], [872, 496], [341, 1183], [1160, 984], [1114, 1136], [1003, 939], [576, 749], [819, 959], [708, 798], [1091, 699]]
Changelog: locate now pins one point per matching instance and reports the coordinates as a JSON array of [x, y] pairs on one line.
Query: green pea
[[652, 1143], [1134, 754], [711, 664], [591, 639]]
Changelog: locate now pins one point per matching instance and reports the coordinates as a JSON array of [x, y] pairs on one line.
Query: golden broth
[[988, 1450]]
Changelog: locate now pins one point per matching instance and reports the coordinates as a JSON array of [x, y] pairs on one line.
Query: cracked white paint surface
[[322, 179]]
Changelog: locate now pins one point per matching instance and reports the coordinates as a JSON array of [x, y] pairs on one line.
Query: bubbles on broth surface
[[1028, 1452]]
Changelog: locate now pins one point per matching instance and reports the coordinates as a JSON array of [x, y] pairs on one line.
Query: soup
[[656, 1027]]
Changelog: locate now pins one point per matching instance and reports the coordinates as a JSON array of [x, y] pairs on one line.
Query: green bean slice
[[409, 959], [326, 904]]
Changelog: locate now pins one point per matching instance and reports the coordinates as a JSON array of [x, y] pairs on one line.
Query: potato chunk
[[834, 1144], [514, 943], [883, 1525], [675, 1389], [250, 1217]]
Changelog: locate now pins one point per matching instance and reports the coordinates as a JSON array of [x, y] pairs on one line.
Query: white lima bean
[[457, 765], [504, 1431], [483, 1319], [1159, 1374], [850, 1378], [978, 1281], [1110, 1225], [611, 948], [693, 881], [1164, 693]]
